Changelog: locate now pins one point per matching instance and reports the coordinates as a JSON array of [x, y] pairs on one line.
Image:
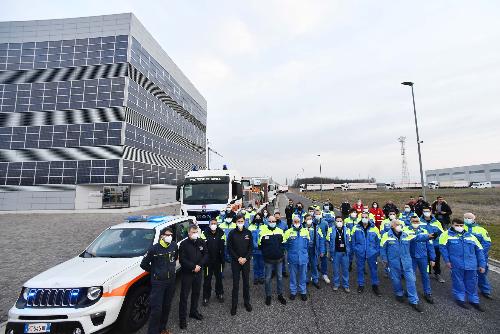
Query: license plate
[[37, 328]]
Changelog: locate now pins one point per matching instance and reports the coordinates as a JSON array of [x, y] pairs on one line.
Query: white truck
[[207, 192], [481, 185], [448, 184], [319, 187], [103, 287], [282, 188], [359, 186], [408, 185]]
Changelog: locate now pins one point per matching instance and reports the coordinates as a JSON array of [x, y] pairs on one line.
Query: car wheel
[[135, 310]]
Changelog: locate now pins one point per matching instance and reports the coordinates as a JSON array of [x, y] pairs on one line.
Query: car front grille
[[53, 297], [203, 215]]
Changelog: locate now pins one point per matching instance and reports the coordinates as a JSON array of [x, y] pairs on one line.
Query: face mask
[[407, 209], [194, 236], [398, 228], [392, 217], [249, 209], [359, 203], [415, 226], [365, 210], [228, 211], [167, 239], [213, 227], [309, 222], [266, 214], [318, 217], [459, 229], [326, 208], [427, 214], [299, 208], [297, 225], [353, 215], [240, 225], [243, 212], [272, 225], [468, 221], [339, 224], [375, 206], [228, 220], [364, 220]]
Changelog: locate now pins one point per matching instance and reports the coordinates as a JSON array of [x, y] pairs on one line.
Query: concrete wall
[[37, 200], [140, 195], [88, 197], [162, 195]]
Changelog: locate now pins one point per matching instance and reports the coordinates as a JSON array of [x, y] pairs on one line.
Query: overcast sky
[[288, 80]]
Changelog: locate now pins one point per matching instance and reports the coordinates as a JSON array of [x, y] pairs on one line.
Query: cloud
[[234, 38]]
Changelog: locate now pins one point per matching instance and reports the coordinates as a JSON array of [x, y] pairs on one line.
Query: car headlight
[[94, 292]]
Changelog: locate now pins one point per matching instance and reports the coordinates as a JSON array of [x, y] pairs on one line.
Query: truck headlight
[[94, 292]]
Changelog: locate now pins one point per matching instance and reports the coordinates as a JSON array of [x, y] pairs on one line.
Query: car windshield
[[124, 242], [206, 193]]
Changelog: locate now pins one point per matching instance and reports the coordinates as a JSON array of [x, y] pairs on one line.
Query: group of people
[[301, 245]]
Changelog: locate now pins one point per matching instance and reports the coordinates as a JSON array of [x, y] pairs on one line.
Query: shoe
[[428, 298], [303, 297], [204, 302], [477, 306], [417, 307], [183, 324], [196, 316], [292, 297], [285, 274], [220, 298], [316, 285], [439, 278], [268, 300], [335, 288], [487, 295], [361, 289], [376, 291], [347, 290], [281, 299], [248, 307], [326, 279], [400, 299], [461, 304], [233, 310]]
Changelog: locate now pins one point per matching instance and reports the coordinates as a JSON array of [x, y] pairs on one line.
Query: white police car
[[102, 288]]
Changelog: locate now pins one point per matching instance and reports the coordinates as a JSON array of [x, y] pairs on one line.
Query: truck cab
[[207, 192]]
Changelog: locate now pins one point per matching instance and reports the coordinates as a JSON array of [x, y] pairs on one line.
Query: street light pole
[[408, 83], [320, 177]]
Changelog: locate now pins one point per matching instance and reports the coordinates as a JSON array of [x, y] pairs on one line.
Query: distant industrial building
[[475, 173], [93, 114]]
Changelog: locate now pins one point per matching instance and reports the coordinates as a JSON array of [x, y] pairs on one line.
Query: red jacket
[[359, 208], [378, 214]]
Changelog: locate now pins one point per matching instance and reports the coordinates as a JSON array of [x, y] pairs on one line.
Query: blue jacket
[[329, 217], [396, 250], [282, 225], [463, 250], [349, 222], [405, 217], [482, 235], [432, 226], [315, 247], [332, 235], [365, 245], [255, 229], [421, 249], [296, 245], [299, 214]]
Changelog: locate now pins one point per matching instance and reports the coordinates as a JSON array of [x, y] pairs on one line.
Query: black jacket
[[215, 242], [272, 247], [240, 244], [344, 208], [419, 207], [191, 254], [443, 218], [160, 261], [390, 207], [289, 211]]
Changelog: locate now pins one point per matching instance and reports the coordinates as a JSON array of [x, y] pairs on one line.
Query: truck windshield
[[206, 193], [121, 243]]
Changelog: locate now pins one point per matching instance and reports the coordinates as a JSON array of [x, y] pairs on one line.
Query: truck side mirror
[[237, 190], [178, 194]]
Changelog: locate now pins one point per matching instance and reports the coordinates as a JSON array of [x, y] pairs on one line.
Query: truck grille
[[53, 297], [203, 215]]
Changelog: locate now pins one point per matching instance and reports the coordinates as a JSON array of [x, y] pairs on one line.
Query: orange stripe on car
[[122, 290]]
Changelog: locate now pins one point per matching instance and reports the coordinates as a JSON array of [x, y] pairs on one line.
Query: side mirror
[[237, 190], [178, 194]]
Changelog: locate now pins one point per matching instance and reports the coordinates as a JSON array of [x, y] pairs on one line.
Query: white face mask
[[243, 212], [272, 225], [339, 224], [309, 222], [468, 221], [398, 228], [392, 217], [375, 206], [365, 210], [459, 229], [407, 209], [194, 236], [296, 225], [353, 215], [415, 226], [228, 220], [364, 220], [359, 203], [427, 213], [240, 225], [167, 239], [213, 227], [318, 217]]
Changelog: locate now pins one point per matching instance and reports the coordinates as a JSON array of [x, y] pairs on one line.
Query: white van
[[481, 185]]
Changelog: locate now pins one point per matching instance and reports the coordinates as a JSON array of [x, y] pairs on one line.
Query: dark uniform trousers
[[190, 282], [162, 292], [236, 268], [209, 271]]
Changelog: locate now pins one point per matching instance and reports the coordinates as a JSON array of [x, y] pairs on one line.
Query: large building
[[93, 114], [474, 173]]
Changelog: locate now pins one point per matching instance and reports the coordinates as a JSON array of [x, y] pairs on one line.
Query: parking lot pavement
[[326, 311]]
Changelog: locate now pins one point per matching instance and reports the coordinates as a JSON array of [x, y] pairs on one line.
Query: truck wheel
[[135, 310]]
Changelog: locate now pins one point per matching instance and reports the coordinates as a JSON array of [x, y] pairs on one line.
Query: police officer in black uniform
[[160, 262], [215, 240], [193, 256]]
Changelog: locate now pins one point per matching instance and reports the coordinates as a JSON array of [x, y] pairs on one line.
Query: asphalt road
[[29, 245]]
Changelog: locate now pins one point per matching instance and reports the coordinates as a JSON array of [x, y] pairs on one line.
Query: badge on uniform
[[201, 248], [266, 237]]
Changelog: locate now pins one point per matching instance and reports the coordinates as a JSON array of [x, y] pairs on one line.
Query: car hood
[[82, 272]]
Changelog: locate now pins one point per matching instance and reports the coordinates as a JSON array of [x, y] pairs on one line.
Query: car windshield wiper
[[89, 253]]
